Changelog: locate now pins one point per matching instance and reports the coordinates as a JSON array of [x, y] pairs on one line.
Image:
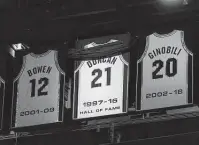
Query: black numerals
[[171, 63], [99, 73], [43, 82], [33, 83], [108, 70], [180, 91], [159, 64], [37, 111], [100, 102], [171, 68]]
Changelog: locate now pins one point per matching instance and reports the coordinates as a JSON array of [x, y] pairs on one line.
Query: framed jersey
[[38, 91], [101, 86], [164, 72]]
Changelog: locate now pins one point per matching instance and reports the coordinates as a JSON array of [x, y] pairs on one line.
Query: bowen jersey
[[164, 76], [101, 87], [38, 91]]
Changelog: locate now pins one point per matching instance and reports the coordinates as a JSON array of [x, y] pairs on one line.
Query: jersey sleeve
[[191, 35]]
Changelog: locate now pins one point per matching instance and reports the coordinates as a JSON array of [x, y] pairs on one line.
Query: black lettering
[[158, 52], [44, 69], [154, 52], [99, 61], [118, 107], [114, 60], [175, 51], [150, 55], [29, 73], [179, 51], [113, 108], [34, 70], [49, 70], [39, 69], [89, 64], [172, 50], [163, 50], [109, 60], [94, 62], [168, 49], [104, 60]]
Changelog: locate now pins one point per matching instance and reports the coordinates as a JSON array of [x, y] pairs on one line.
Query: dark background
[[57, 21]]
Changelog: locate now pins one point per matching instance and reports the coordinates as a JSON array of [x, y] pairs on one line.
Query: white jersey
[[164, 72], [38, 91], [100, 87]]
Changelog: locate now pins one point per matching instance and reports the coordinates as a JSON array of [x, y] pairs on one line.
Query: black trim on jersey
[[125, 88], [61, 96], [60, 91], [190, 79], [40, 55], [76, 94], [2, 96], [125, 92], [14, 103], [139, 86]]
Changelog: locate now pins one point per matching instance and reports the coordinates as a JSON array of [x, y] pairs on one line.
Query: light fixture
[[12, 52], [171, 5], [185, 2], [19, 46]]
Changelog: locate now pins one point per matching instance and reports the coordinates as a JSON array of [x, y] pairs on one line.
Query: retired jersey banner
[[38, 95], [165, 72], [101, 85]]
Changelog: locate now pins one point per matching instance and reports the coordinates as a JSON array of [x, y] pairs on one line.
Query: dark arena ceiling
[[27, 20]]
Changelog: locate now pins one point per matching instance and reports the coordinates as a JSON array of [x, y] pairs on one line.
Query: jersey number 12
[[43, 82]]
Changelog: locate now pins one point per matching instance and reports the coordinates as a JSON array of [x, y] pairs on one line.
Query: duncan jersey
[[38, 91], [101, 87], [164, 72]]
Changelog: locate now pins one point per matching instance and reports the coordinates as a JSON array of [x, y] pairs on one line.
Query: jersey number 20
[[171, 68], [43, 82]]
